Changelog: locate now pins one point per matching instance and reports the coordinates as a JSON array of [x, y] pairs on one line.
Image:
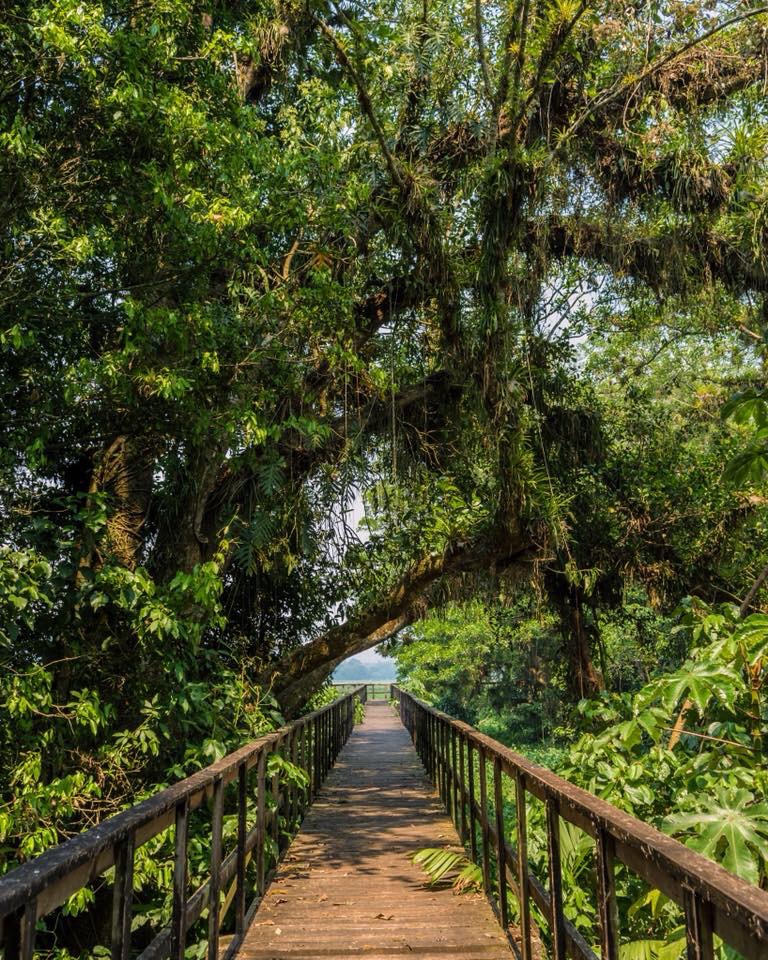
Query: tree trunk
[[584, 679]]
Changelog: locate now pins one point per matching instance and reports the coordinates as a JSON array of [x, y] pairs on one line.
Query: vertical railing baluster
[[122, 900], [523, 883], [501, 850], [430, 743], [435, 738], [472, 811], [454, 779], [484, 826], [557, 923], [441, 757], [242, 785], [276, 797], [315, 756], [261, 820], [433, 748], [293, 788], [462, 788], [323, 746], [698, 927], [326, 743], [438, 765], [217, 815], [179, 916], [19, 932], [606, 896], [444, 761]]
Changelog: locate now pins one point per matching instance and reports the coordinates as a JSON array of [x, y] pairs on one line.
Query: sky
[[355, 514], [370, 656]]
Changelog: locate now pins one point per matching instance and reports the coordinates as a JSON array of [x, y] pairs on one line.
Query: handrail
[[34, 889], [714, 901]]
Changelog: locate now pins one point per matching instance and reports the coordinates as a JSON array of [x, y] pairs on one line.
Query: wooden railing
[[374, 691], [714, 901], [34, 889]]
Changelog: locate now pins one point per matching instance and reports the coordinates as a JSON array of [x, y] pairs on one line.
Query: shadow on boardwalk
[[347, 887]]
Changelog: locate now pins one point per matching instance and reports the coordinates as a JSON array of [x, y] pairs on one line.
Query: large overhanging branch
[[297, 675], [624, 171], [666, 261], [664, 73]]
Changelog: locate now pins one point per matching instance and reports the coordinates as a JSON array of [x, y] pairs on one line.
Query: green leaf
[[732, 829]]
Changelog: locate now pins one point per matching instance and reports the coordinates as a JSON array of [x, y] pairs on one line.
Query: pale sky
[[356, 513], [370, 656]]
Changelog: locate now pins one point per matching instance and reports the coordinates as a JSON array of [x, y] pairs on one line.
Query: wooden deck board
[[347, 888]]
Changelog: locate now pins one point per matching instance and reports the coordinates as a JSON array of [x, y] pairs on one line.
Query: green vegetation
[[494, 273]]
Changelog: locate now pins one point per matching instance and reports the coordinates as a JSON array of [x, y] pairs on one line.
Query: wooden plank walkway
[[347, 888]]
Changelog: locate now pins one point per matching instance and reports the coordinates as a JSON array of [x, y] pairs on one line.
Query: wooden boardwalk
[[347, 888]]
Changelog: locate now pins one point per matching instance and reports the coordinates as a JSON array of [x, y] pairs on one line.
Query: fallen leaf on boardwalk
[[380, 916], [264, 923], [281, 900], [278, 930]]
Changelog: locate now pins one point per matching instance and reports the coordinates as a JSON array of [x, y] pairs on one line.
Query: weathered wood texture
[[347, 887]]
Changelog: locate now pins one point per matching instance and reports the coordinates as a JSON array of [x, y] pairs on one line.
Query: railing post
[[501, 850], [462, 786], [606, 896], [454, 778], [326, 721], [444, 763], [179, 916], [523, 884], [557, 924], [19, 932], [472, 811], [276, 796], [698, 927], [122, 900], [242, 783], [215, 880], [315, 756], [323, 746], [484, 826], [336, 729], [293, 788], [261, 820], [432, 748]]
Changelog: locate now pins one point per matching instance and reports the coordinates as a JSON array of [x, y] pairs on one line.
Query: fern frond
[[448, 866]]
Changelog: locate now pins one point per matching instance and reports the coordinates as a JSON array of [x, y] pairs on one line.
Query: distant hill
[[354, 669]]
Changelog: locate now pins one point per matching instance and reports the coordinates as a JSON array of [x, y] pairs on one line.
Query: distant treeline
[[356, 669]]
